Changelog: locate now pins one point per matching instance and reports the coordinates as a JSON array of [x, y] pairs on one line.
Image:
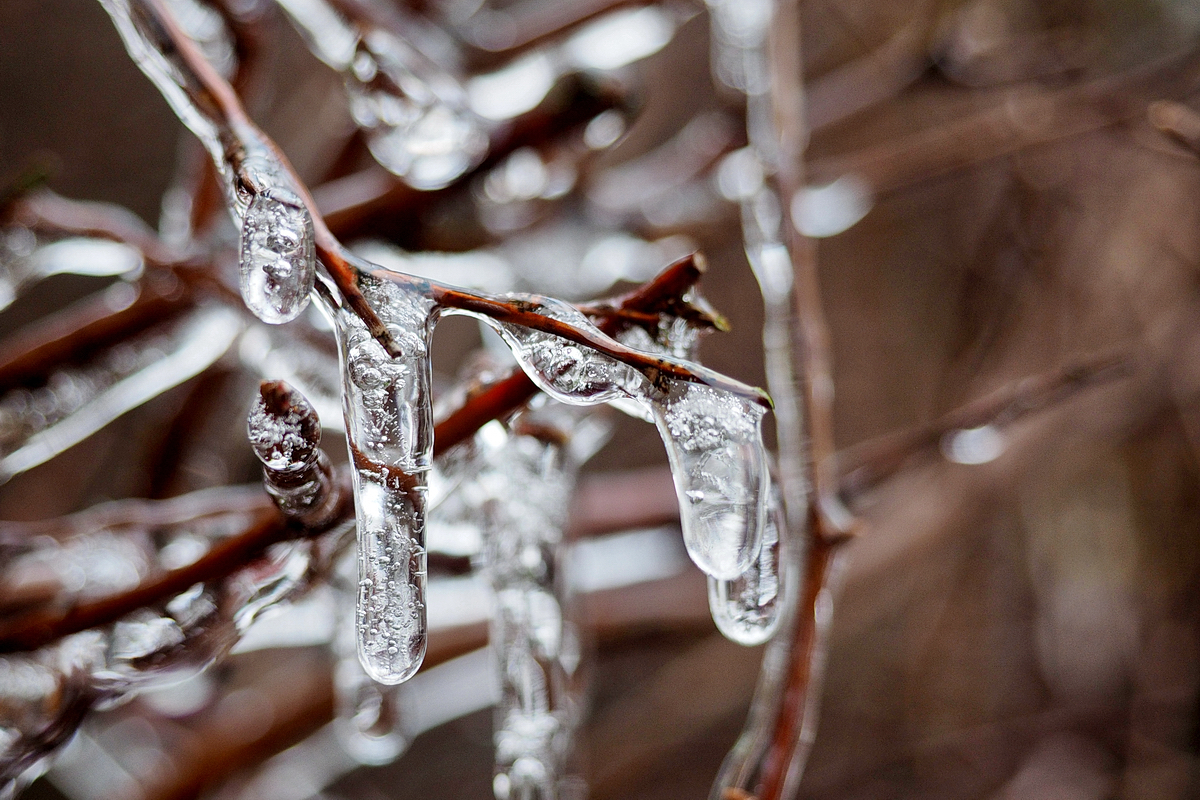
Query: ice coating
[[389, 427], [44, 693], [76, 401], [569, 372], [747, 610], [714, 443], [413, 112], [713, 436], [284, 435], [24, 260], [277, 262]]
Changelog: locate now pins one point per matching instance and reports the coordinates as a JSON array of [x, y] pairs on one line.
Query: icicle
[[714, 443], [713, 436], [389, 426], [413, 112], [278, 261], [747, 610]]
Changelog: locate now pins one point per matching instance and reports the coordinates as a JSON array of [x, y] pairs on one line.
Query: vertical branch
[[770, 757]]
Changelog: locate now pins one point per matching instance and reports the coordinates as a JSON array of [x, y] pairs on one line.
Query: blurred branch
[[866, 465]]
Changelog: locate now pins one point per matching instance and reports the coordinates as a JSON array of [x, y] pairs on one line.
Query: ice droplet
[[278, 260], [389, 426], [714, 444], [746, 610], [569, 372]]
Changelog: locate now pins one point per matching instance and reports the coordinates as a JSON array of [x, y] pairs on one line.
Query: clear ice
[[714, 443], [747, 610], [389, 429], [713, 436], [277, 262], [43, 693], [368, 719], [24, 261], [75, 402], [525, 485]]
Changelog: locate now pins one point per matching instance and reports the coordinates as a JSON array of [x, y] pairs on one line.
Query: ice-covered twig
[[92, 323], [665, 293], [769, 757], [374, 200], [41, 628], [286, 436], [213, 110], [46, 211]]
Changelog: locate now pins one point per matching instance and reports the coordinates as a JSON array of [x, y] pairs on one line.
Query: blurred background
[[1019, 614]]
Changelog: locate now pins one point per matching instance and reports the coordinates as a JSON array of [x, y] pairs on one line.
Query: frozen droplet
[[570, 373], [714, 443], [820, 211], [747, 610], [278, 258], [973, 445]]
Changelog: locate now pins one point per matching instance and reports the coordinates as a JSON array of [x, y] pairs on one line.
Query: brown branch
[[1017, 119], [242, 139], [38, 629], [866, 465], [48, 212]]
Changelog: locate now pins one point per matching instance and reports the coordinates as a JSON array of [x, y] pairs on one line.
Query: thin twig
[[870, 463], [790, 721]]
